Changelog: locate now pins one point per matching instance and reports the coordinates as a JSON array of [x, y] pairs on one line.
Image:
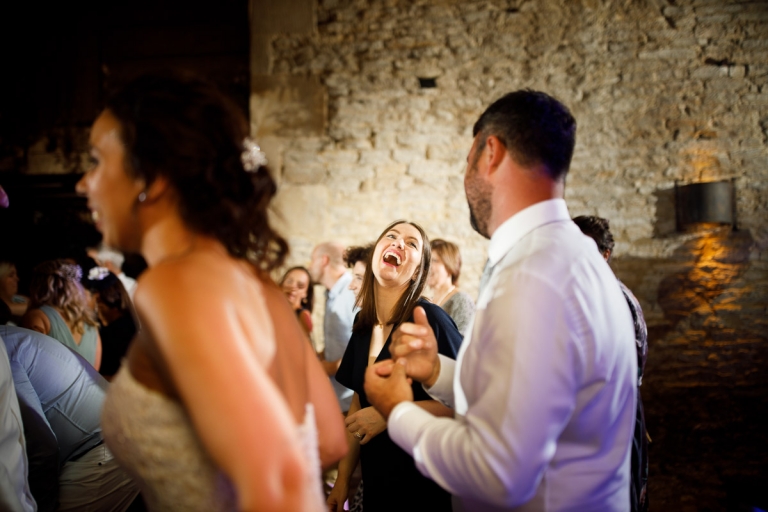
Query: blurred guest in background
[[113, 261], [60, 309], [15, 494], [443, 280], [599, 230], [301, 295], [9, 289], [116, 316], [60, 397], [327, 269], [356, 258]]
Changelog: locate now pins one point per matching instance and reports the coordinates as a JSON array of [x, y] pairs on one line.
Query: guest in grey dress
[[443, 280]]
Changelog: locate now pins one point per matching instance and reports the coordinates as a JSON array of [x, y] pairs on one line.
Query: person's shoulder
[[31, 340], [427, 304], [36, 317], [463, 298], [188, 280]]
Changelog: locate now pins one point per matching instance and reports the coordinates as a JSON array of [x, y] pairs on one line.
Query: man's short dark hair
[[598, 229], [534, 127]]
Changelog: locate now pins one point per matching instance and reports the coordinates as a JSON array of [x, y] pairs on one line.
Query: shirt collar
[[523, 222], [340, 285]]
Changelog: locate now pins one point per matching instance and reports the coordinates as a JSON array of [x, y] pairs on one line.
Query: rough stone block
[[670, 54], [406, 156], [287, 106], [302, 211]]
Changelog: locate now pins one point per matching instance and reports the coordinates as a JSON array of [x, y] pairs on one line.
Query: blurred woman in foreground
[[210, 412]]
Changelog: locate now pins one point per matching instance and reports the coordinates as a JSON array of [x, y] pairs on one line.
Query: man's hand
[[415, 344], [366, 424], [386, 392]]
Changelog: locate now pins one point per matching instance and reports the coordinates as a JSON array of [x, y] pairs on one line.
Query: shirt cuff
[[406, 423], [442, 389]]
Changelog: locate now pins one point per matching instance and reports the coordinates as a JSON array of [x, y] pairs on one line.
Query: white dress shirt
[[544, 386]]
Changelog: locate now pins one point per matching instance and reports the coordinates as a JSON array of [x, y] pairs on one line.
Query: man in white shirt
[[544, 385]]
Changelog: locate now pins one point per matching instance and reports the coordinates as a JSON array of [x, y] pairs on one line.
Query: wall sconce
[[699, 204]]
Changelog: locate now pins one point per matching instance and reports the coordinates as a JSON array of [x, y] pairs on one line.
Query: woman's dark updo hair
[[182, 128]]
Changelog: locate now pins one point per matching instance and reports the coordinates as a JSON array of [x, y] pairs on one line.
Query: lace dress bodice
[[152, 437]]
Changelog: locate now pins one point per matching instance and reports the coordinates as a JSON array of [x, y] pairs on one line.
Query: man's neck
[[524, 189], [332, 276]]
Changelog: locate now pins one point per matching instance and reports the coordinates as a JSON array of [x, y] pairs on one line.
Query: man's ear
[[495, 152]]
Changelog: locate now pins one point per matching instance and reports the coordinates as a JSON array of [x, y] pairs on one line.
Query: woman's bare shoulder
[[36, 320], [203, 297]]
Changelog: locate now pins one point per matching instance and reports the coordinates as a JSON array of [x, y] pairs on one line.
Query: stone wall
[[662, 91]]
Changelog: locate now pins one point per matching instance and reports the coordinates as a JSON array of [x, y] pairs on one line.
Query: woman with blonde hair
[[59, 309], [443, 280]]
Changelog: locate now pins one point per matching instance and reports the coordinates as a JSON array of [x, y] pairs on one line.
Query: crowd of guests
[[202, 387]]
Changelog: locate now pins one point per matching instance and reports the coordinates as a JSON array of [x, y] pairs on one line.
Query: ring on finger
[[358, 435]]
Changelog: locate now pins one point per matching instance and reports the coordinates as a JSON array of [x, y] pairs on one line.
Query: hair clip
[[97, 273], [253, 157]]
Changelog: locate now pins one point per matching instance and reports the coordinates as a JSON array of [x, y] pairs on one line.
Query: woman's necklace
[[379, 336], [445, 295]]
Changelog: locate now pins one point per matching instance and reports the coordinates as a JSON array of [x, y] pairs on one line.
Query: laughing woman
[[394, 279], [208, 412]]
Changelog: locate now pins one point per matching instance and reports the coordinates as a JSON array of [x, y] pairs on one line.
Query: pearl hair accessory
[[253, 157]]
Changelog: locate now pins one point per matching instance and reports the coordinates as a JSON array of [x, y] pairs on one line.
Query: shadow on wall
[[705, 388]]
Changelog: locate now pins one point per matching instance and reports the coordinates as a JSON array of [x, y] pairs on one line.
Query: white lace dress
[[153, 439]]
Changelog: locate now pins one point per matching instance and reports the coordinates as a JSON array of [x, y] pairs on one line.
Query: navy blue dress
[[392, 481]]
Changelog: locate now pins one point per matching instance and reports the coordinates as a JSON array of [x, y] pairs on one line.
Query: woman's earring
[[142, 197]]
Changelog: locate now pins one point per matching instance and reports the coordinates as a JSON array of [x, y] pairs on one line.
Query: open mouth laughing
[[390, 257]]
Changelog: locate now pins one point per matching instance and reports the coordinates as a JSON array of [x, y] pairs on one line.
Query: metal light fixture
[[699, 204]]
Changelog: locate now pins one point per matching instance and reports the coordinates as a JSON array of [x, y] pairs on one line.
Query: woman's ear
[[155, 190]]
